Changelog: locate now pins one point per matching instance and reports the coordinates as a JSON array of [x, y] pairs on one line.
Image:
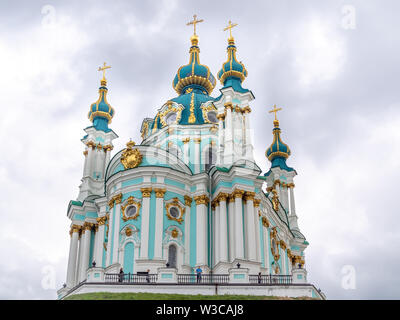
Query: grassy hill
[[161, 296]]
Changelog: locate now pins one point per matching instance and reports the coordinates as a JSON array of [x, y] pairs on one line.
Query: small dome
[[278, 149], [232, 68], [101, 112], [194, 74]]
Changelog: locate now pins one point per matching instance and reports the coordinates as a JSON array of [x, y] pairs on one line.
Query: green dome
[[194, 74], [232, 69]]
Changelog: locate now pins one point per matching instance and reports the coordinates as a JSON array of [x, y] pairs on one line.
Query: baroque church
[[189, 196]]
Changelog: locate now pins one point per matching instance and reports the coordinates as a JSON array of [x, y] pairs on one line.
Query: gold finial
[[275, 110], [104, 68], [130, 144], [193, 22], [229, 27]]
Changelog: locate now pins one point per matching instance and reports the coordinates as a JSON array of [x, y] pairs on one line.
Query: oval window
[[212, 116], [131, 211], [174, 212], [170, 118]]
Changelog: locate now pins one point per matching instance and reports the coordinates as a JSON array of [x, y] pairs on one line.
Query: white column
[[256, 203], [197, 155], [117, 222], [85, 241], [110, 223], [99, 240], [250, 239], [144, 241], [220, 147], [223, 228], [216, 233], [107, 157], [159, 223], [79, 260], [186, 156], [292, 205], [248, 143], [73, 252], [266, 249], [231, 217], [188, 203], [228, 135], [201, 229], [239, 249], [89, 162]]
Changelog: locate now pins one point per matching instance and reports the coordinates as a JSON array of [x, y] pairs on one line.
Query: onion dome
[[194, 75], [232, 69], [278, 151], [101, 112]]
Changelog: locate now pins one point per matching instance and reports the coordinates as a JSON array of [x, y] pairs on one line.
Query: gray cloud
[[338, 88]]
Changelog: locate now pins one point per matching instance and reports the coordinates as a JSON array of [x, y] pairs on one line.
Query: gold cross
[[229, 27], [104, 68], [194, 23], [275, 110]]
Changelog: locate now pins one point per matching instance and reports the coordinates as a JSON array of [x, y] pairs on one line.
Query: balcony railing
[[204, 279], [192, 279], [270, 279], [130, 278]]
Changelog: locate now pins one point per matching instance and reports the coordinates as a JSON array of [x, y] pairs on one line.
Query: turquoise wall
[[129, 257]]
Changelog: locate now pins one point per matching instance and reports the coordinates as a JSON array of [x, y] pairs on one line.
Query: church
[[188, 208]]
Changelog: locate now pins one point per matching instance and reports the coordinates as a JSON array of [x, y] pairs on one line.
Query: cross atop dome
[[194, 22], [229, 27], [104, 68]]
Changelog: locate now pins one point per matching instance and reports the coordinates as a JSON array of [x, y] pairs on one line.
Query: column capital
[[231, 198], [202, 199], [74, 228], [85, 153], [238, 193], [246, 109], [188, 200], [115, 200], [185, 140], [197, 140], [160, 192], [221, 116], [101, 220], [228, 105], [248, 195], [256, 202], [87, 226], [223, 196], [146, 192]]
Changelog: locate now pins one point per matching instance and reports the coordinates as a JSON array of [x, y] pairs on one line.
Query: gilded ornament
[[192, 118], [131, 158], [275, 200], [175, 203], [128, 232], [229, 106], [160, 192], [265, 222], [188, 201], [238, 193], [128, 203], [185, 140], [101, 220], [146, 192], [197, 140], [202, 199], [256, 203], [174, 233], [249, 196]]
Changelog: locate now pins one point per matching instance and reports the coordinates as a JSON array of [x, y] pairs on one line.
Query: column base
[[142, 265], [95, 275], [167, 275], [222, 267], [253, 266], [299, 275], [113, 268]]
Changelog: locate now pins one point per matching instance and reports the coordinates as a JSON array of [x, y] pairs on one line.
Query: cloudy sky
[[332, 65]]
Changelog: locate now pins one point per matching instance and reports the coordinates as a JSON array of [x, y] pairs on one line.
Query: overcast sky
[[332, 65]]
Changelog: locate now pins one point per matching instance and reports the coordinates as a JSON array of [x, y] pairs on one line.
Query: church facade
[[190, 194]]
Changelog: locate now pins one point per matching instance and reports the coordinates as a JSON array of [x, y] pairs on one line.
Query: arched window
[[210, 158], [172, 256]]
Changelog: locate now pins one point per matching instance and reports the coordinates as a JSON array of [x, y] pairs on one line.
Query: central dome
[[194, 75]]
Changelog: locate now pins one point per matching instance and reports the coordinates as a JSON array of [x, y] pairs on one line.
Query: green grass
[[162, 296]]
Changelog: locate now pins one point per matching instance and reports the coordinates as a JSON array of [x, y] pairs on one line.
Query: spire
[[232, 72], [101, 112], [278, 151], [194, 75]]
